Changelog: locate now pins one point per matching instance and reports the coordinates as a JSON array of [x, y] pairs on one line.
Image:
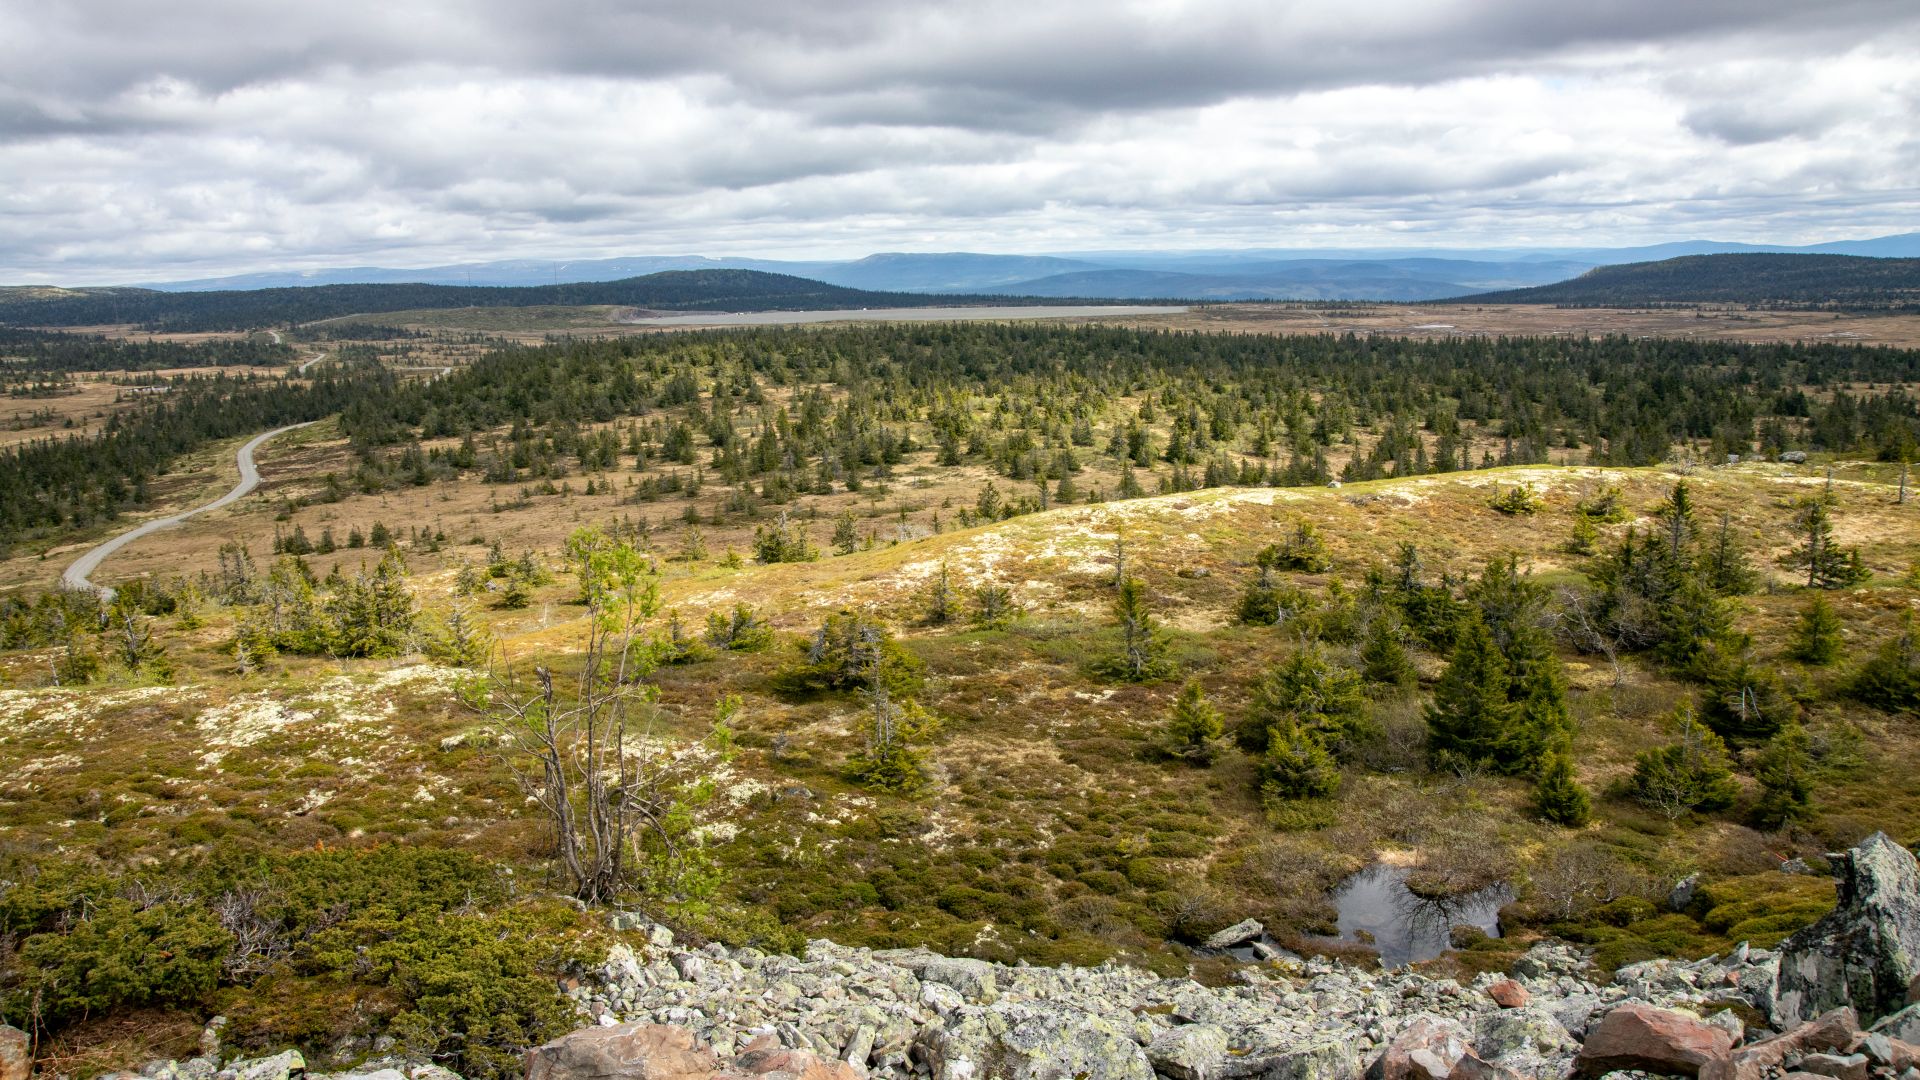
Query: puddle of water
[[1406, 928]]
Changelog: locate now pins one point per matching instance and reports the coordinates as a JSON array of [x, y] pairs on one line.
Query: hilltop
[[1840, 282]]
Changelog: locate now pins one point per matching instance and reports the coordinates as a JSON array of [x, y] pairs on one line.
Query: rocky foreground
[[1836, 1000]]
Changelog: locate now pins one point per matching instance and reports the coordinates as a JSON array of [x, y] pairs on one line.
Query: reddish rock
[[1652, 1040], [16, 1054], [1509, 994], [1836, 1030], [1426, 1049], [624, 1052]]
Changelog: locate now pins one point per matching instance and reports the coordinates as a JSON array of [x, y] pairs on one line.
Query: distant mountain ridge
[[1760, 279], [1255, 274], [674, 290]]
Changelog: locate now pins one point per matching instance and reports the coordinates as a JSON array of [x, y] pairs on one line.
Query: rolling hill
[[1761, 279], [679, 290]]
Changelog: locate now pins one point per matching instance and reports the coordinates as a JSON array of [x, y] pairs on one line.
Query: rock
[[1794, 457], [1838, 1066], [1903, 1025], [1029, 1041], [939, 997], [16, 1053], [1529, 1033], [1653, 1040], [1682, 893], [1426, 1049], [1238, 934], [1796, 865], [1189, 1052], [973, 978], [1327, 1060], [1471, 1067], [1866, 952], [286, 1065], [1754, 1061], [1726, 1021], [622, 1052], [775, 1063], [1509, 994]]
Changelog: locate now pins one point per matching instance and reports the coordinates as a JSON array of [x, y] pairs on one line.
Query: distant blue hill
[[1321, 274]]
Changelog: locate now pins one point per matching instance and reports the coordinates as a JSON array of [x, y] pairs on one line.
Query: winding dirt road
[[77, 576]]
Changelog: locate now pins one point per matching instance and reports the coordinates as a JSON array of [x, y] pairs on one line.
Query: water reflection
[[1377, 909]]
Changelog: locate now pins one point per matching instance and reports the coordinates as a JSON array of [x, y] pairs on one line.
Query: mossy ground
[[1051, 830]]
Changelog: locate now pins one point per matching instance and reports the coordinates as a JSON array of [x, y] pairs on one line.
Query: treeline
[[42, 351], [72, 482], [677, 290], [800, 411], [1841, 282]]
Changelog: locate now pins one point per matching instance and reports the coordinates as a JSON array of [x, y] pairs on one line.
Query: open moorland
[[1018, 641]]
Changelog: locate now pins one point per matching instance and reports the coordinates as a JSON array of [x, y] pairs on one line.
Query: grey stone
[[1189, 1052], [973, 978], [1530, 1031], [1866, 952], [1682, 893], [1903, 1025], [1238, 934], [286, 1065]]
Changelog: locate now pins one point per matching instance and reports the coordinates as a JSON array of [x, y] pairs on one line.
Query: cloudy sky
[[143, 140]]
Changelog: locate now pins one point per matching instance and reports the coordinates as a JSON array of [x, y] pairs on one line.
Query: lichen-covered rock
[[1531, 1033], [1866, 952], [973, 978], [1238, 934], [1903, 1025], [1325, 1060], [1189, 1052], [286, 1065], [1031, 1041]]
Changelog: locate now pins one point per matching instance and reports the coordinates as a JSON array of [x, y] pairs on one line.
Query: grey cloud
[[227, 134]]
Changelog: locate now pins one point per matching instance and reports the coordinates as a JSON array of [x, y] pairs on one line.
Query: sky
[[146, 141]]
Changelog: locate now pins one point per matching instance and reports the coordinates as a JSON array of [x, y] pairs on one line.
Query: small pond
[[1406, 928]]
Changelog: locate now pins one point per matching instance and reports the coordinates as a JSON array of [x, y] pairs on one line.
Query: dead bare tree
[[616, 798]]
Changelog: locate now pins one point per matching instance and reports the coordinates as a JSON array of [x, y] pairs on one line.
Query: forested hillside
[[678, 290], [1841, 282]]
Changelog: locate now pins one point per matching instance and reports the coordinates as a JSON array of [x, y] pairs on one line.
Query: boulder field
[[1835, 1000]]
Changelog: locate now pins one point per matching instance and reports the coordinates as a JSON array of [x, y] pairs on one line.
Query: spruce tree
[[846, 537], [1890, 680], [942, 600], [1558, 797], [1143, 648], [1724, 564], [1692, 773], [1470, 715], [1383, 660], [1193, 730], [1828, 565], [1310, 693], [1816, 635], [1296, 765], [1785, 771]]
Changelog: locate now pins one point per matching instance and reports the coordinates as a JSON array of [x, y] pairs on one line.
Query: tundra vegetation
[[1019, 642]]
